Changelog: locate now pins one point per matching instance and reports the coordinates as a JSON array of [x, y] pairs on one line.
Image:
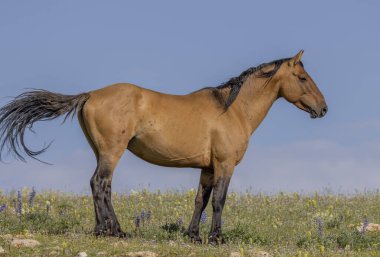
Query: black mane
[[234, 84]]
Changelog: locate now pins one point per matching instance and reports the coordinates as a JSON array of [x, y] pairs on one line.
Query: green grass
[[281, 224]]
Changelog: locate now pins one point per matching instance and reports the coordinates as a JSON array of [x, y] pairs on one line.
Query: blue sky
[[178, 47]]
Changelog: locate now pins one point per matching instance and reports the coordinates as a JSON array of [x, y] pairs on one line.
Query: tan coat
[[208, 129]]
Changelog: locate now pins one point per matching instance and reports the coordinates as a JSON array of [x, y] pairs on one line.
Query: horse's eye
[[302, 78]]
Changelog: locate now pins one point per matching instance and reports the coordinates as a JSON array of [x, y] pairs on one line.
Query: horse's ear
[[296, 59]]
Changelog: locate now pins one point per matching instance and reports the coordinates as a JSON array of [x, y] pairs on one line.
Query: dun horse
[[208, 129]]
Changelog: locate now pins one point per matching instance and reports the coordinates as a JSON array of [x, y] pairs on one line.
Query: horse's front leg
[[222, 177], [201, 200]]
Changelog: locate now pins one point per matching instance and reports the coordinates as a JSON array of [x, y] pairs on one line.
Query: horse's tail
[[28, 108]]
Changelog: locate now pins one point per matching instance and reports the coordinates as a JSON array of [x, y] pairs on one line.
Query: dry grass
[[282, 224]]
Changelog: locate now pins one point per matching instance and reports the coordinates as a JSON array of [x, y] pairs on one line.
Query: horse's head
[[297, 87]]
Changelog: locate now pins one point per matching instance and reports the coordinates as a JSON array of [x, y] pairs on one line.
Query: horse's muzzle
[[318, 113]]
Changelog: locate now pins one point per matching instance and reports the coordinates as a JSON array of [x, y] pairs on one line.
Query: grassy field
[[281, 224]]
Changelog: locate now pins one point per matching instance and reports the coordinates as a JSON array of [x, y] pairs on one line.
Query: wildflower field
[[254, 224]]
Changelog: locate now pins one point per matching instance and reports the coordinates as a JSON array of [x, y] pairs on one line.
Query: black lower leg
[[201, 200], [112, 224], [106, 221], [218, 201], [200, 204]]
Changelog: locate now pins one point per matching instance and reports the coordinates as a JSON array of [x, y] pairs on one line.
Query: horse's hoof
[[196, 239], [216, 240], [112, 233], [99, 233], [122, 234], [118, 233]]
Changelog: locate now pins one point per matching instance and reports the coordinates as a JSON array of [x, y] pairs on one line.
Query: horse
[[208, 129]]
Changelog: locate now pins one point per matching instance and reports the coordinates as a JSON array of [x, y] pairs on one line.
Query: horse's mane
[[234, 84]]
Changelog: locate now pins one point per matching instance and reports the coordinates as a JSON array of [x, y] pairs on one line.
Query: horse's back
[[164, 129]]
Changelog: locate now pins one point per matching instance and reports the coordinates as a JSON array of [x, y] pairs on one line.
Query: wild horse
[[208, 129]]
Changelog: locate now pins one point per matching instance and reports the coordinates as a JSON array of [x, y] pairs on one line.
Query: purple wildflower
[[320, 227], [149, 215], [204, 217], [137, 221], [365, 225], [3, 207], [47, 207], [18, 207], [180, 221], [31, 197], [143, 216]]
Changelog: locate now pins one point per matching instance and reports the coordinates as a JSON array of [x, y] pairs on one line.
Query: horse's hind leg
[[106, 221], [201, 200], [108, 142]]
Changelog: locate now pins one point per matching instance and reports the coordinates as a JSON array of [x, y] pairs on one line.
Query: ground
[[280, 225]]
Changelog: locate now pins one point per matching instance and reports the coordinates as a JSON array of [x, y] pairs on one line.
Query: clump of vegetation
[[281, 224]]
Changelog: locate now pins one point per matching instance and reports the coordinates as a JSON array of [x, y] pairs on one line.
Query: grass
[[281, 224]]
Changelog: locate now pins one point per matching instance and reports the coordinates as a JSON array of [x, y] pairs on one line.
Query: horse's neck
[[255, 99]]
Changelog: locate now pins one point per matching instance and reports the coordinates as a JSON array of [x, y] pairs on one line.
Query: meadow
[[281, 225]]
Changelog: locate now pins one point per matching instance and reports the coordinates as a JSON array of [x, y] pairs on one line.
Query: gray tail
[[27, 108]]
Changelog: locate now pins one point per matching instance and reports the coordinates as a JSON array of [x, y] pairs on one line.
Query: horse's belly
[[170, 153]]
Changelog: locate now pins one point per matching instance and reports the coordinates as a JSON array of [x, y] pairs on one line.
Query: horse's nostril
[[324, 110]]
